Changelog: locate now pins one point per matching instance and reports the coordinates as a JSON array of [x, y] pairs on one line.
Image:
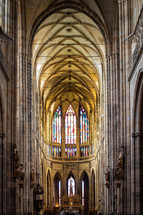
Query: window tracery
[[70, 152], [70, 148], [56, 126], [84, 126], [70, 126]]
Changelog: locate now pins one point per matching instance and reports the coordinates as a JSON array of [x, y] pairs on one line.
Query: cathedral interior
[[71, 107]]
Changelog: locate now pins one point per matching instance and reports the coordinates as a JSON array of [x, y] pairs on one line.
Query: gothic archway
[[57, 190], [48, 190], [93, 190], [137, 146], [84, 191]]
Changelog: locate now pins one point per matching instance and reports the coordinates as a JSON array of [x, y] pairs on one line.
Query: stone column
[[125, 140]]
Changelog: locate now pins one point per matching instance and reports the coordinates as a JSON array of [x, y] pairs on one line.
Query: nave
[[71, 107]]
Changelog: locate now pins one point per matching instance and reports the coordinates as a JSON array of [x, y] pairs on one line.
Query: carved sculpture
[[32, 177], [119, 169], [38, 189], [16, 163], [107, 177], [21, 175]]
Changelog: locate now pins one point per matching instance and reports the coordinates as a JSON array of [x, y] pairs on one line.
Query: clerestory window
[[84, 126], [56, 126]]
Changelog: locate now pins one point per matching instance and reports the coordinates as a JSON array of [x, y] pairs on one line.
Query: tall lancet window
[[84, 126], [82, 192], [71, 186], [70, 126], [56, 126]]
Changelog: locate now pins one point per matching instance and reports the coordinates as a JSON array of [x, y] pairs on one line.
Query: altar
[[71, 202]]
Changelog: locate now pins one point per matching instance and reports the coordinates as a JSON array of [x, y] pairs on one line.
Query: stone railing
[[47, 150], [77, 159], [137, 44]]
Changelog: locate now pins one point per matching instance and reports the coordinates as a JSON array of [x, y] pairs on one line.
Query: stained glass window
[[84, 126], [59, 193], [56, 151], [56, 126], [70, 126], [84, 151], [70, 152], [82, 192], [71, 186]]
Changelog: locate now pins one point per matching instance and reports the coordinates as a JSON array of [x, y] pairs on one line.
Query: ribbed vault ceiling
[[68, 58]]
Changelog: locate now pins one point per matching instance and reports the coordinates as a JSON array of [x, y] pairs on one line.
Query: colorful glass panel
[[84, 126], [70, 152], [59, 193], [84, 151], [70, 126], [82, 192], [56, 126], [56, 151]]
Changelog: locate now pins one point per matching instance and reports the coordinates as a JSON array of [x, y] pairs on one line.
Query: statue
[[38, 189], [32, 177], [107, 177], [120, 160], [119, 169], [21, 175], [16, 163]]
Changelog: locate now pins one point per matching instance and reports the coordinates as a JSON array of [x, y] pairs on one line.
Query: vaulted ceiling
[[68, 56]]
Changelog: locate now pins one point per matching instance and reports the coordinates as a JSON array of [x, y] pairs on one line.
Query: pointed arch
[[57, 175], [82, 175], [137, 146], [57, 189], [137, 108], [84, 191], [48, 190], [93, 190]]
